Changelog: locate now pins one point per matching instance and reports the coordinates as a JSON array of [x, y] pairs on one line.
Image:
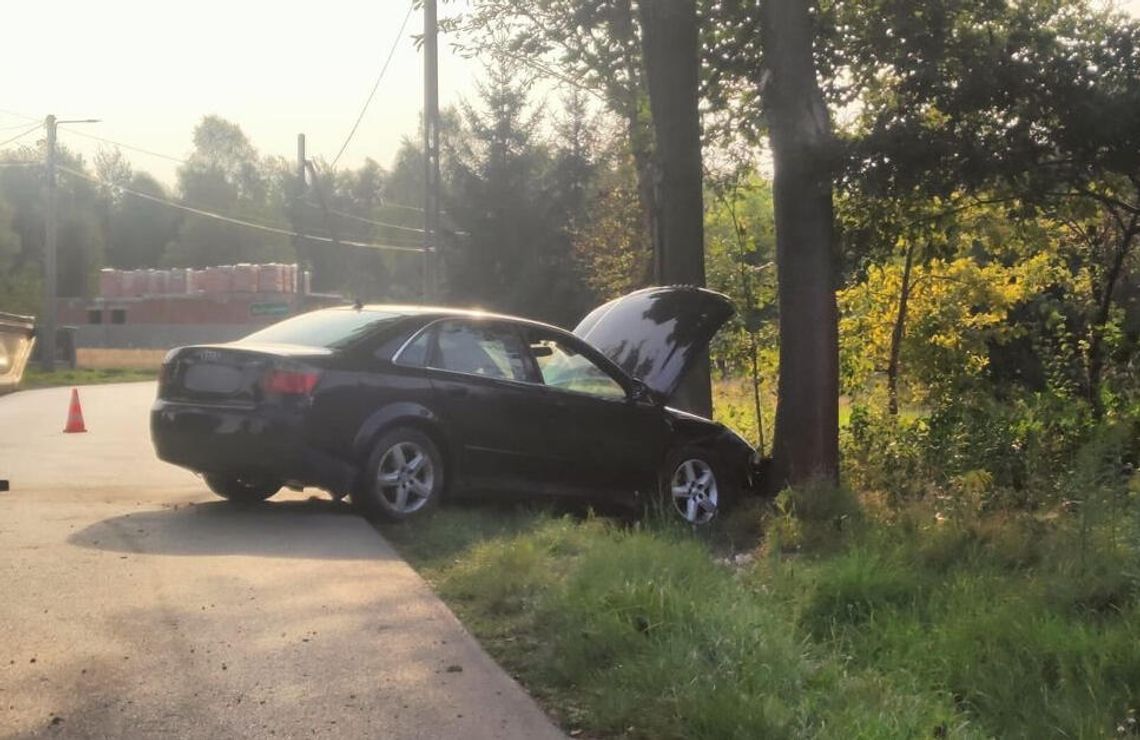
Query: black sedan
[[398, 406]]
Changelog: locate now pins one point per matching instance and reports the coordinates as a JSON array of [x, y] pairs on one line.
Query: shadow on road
[[286, 529]]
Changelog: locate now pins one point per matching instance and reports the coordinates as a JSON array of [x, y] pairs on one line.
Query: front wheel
[[242, 490], [694, 486], [404, 478]]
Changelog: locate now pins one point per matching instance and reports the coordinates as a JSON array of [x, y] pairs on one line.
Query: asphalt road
[[135, 604]]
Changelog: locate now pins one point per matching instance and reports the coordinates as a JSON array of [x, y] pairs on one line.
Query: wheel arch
[[407, 414]]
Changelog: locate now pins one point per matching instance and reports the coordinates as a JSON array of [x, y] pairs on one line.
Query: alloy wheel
[[405, 478], [694, 490]]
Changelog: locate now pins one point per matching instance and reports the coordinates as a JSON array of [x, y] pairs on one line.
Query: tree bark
[[897, 335], [806, 444], [1104, 310], [670, 46]]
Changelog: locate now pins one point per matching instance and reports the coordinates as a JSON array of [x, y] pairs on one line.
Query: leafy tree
[[225, 175], [593, 46], [516, 257]]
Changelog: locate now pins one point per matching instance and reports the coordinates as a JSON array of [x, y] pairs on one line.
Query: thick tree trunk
[[806, 442], [669, 36], [897, 335]]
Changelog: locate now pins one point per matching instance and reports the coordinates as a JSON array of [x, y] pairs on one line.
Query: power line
[[17, 114], [124, 146], [375, 87], [362, 219], [237, 221], [20, 135], [13, 126]]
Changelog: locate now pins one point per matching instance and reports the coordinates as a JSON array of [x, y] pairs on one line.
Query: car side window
[[414, 353], [475, 348], [565, 368]]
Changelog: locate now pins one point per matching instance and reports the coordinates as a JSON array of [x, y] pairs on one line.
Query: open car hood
[[655, 334]]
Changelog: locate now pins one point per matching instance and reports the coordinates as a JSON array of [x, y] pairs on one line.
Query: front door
[[599, 443]]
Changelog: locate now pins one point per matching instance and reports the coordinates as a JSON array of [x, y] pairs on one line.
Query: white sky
[[152, 68]]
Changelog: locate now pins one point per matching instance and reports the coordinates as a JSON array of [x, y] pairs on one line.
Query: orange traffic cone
[[74, 415]]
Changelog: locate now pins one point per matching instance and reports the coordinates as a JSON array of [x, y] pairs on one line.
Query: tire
[[404, 477], [241, 490], [694, 486]]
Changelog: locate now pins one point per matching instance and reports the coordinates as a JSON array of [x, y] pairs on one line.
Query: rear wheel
[[693, 485], [404, 477], [242, 489]]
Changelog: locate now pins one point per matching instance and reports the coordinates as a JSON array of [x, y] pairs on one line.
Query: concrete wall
[[158, 336]]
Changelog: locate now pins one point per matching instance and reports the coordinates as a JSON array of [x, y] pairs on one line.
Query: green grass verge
[[645, 632], [36, 378]]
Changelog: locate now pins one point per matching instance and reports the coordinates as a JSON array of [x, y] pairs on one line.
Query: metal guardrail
[[17, 337]]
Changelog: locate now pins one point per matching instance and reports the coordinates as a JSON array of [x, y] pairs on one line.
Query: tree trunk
[[639, 129], [641, 147], [897, 335], [806, 441], [670, 44], [1104, 310]]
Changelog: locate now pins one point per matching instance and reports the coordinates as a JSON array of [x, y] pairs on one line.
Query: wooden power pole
[[431, 152], [47, 346], [51, 270]]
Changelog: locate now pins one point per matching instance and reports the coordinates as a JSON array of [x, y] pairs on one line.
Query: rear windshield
[[332, 329]]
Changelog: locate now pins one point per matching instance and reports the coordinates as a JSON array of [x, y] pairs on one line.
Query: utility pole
[[51, 271], [47, 348], [298, 218], [431, 152]]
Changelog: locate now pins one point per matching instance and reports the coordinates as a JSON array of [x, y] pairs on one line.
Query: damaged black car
[[401, 406]]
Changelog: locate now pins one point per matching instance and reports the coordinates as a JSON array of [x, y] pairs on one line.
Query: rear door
[[482, 373]]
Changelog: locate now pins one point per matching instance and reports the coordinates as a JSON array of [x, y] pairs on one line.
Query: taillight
[[290, 382], [166, 371]]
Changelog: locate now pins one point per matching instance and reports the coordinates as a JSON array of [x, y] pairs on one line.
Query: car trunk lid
[[655, 334], [237, 374]]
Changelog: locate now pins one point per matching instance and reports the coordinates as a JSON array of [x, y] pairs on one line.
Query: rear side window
[[414, 353], [481, 349]]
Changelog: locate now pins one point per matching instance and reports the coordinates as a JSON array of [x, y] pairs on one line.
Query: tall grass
[[638, 632], [919, 627]]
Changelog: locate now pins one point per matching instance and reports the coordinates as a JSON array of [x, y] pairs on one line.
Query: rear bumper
[[264, 441]]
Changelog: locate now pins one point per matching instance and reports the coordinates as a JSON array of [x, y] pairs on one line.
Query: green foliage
[[640, 634], [516, 197]]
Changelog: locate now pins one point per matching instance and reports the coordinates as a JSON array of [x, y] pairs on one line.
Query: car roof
[[444, 312]]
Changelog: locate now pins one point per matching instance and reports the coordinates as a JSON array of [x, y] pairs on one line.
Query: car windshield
[[331, 329]]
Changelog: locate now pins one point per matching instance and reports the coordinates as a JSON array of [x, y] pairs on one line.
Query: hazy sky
[[152, 68]]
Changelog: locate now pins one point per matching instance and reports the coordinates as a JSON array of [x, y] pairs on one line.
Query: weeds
[[978, 602]]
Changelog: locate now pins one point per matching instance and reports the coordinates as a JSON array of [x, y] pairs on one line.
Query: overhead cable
[[13, 126], [21, 135], [375, 86], [17, 114], [237, 221], [384, 224], [124, 146]]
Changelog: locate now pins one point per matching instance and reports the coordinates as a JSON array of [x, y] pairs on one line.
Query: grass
[[96, 366], [913, 629], [36, 378]]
